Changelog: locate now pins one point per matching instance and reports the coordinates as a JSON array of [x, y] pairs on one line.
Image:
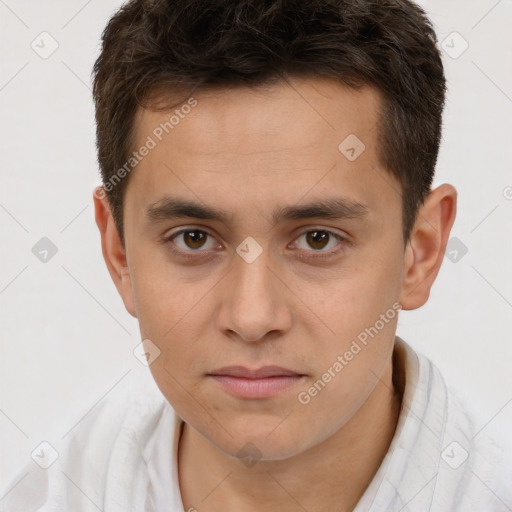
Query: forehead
[[266, 145], [299, 112]]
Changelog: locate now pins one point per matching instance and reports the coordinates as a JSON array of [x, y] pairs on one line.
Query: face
[[271, 281]]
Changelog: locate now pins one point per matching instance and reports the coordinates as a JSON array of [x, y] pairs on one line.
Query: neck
[[339, 469]]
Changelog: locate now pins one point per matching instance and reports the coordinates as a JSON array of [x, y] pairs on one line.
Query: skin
[[249, 151]]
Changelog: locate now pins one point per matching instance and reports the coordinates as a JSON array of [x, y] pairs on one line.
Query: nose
[[254, 304]]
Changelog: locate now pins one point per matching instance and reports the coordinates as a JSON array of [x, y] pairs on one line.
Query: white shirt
[[122, 456]]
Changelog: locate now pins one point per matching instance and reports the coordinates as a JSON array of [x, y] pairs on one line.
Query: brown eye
[[317, 239], [319, 243], [194, 239]]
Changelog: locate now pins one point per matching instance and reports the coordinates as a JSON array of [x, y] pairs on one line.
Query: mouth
[[259, 383]]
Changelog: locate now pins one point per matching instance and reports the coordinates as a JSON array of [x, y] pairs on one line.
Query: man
[[266, 211]]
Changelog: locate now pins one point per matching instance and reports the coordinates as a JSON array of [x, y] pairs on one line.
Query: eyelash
[[323, 254]]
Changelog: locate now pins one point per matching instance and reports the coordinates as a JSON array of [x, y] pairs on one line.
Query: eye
[[320, 240], [191, 240]]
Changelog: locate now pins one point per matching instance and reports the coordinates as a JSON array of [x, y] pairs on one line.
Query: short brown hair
[[172, 45]]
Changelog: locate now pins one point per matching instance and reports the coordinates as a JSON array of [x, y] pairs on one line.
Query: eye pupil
[[314, 238], [197, 238]]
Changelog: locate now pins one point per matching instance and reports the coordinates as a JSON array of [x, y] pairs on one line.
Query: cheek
[[165, 299], [171, 318], [333, 399], [360, 309], [354, 300]]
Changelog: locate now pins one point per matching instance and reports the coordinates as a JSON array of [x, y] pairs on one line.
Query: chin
[[264, 443]]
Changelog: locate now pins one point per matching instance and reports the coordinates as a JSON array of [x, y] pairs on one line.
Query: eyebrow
[[169, 208]]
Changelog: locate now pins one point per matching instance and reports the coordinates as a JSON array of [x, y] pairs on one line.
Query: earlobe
[[425, 250], [114, 252]]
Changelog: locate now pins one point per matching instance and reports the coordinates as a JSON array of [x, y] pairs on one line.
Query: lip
[[259, 383], [258, 373]]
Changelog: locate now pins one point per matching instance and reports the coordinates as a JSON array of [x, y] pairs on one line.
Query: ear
[[425, 250], [113, 250]]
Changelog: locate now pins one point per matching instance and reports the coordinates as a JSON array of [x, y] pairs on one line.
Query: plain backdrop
[[66, 339]]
